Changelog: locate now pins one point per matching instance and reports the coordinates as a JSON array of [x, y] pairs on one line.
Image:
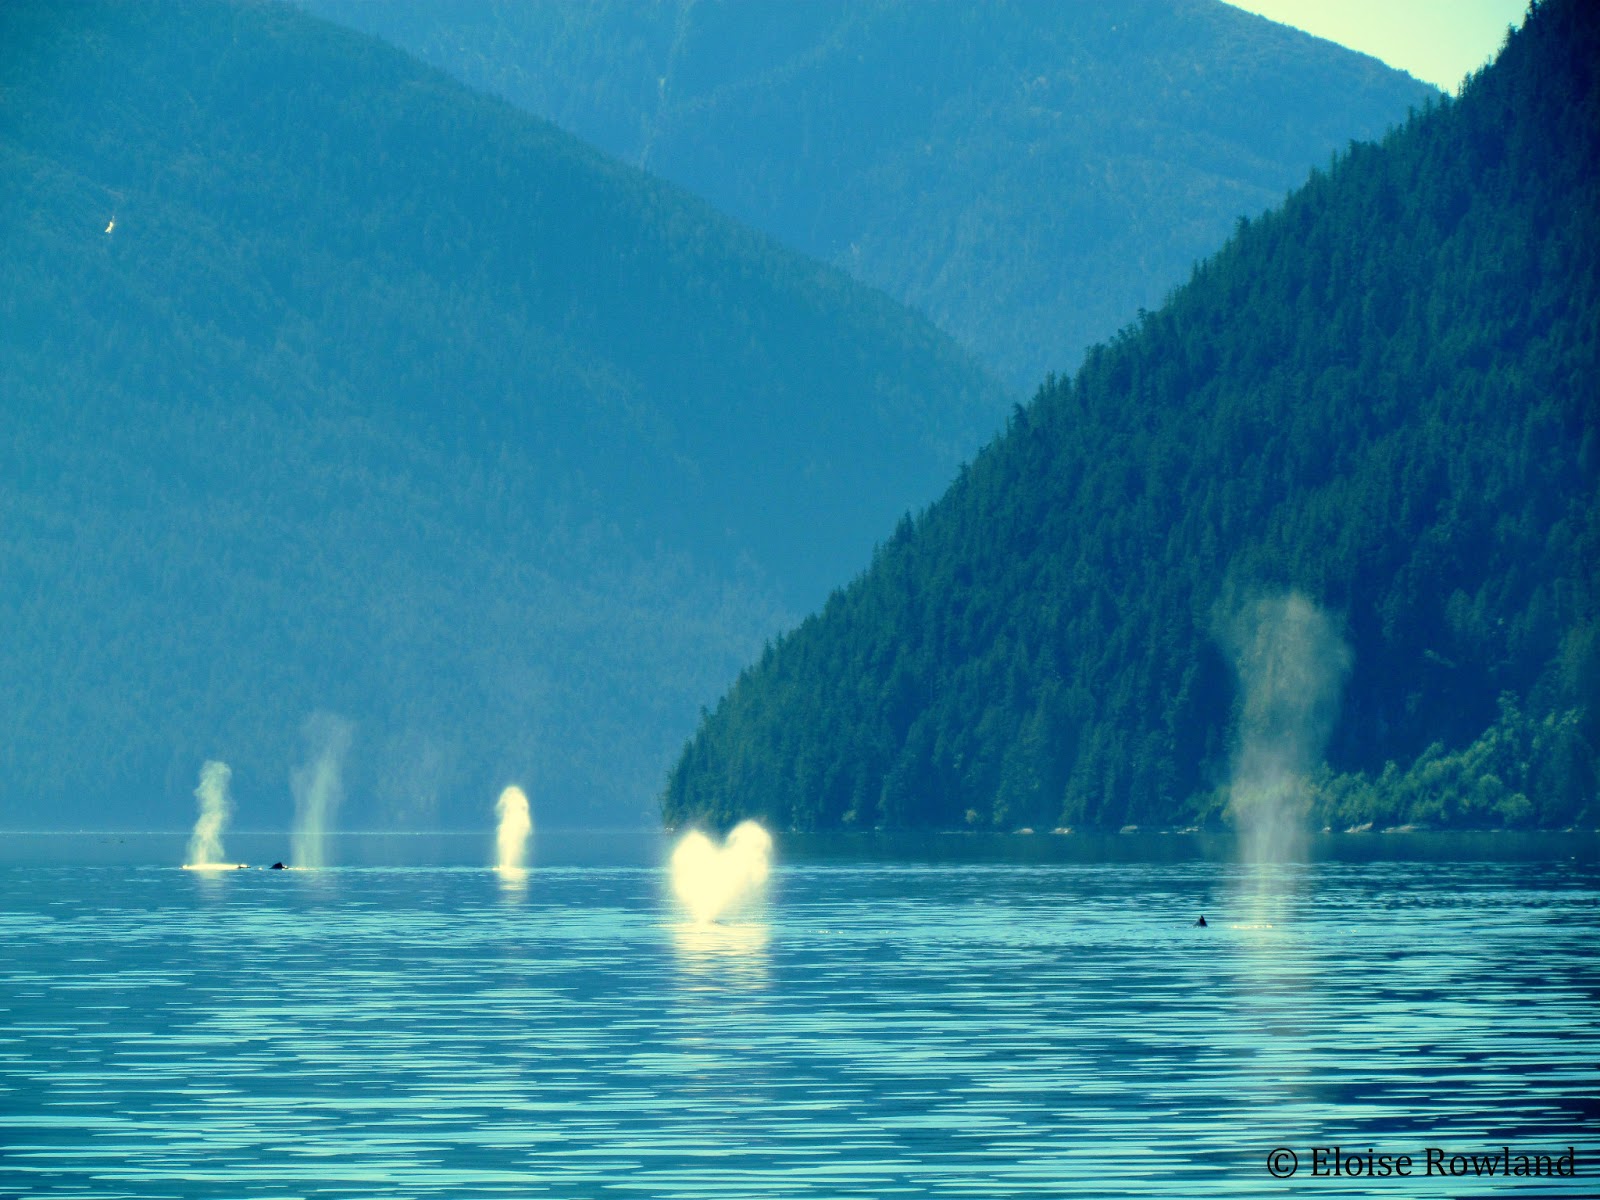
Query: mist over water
[[1291, 663], [205, 844], [318, 787], [709, 879], [511, 837]]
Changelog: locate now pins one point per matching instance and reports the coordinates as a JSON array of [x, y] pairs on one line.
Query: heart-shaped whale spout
[[709, 879]]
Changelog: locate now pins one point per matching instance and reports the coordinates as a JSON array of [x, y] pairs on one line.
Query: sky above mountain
[[1437, 41]]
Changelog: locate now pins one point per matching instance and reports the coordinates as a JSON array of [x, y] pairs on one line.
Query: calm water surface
[[952, 1023]]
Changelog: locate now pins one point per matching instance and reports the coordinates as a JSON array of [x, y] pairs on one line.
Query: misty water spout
[[1291, 664], [318, 787], [709, 879], [511, 837], [205, 843]]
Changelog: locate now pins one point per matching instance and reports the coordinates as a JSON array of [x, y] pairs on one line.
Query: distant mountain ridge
[[1028, 174], [1374, 413], [385, 398]]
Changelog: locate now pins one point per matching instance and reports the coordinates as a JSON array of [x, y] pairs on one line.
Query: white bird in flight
[[111, 224]]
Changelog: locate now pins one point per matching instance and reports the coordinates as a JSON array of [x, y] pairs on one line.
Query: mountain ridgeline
[[329, 384], [1027, 173], [1376, 407]]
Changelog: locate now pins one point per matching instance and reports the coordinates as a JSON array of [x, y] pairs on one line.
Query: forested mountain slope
[[1379, 401], [328, 384], [1028, 174]]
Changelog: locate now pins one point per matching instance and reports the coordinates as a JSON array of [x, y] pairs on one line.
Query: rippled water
[[923, 1028]]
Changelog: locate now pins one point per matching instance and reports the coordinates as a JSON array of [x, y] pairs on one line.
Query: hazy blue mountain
[[328, 384], [1357, 449], [1028, 174]]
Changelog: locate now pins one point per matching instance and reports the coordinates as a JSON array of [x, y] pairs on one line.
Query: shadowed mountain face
[[1027, 174], [1341, 493], [331, 386]]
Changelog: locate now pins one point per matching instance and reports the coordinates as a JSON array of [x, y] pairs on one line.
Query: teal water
[[946, 1024]]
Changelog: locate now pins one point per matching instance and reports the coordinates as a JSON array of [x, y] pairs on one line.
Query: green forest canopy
[[1381, 396]]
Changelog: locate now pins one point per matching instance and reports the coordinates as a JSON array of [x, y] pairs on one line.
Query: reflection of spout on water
[[717, 954], [1264, 902], [513, 881], [323, 879], [1267, 918], [209, 873]]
